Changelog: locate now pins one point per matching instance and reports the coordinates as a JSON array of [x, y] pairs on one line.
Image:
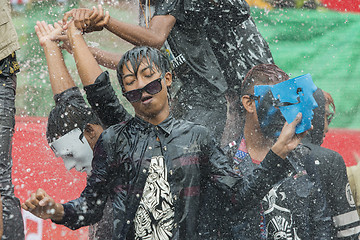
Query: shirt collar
[[166, 125]]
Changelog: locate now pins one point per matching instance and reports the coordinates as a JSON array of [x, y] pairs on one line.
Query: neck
[[156, 119], [257, 145]]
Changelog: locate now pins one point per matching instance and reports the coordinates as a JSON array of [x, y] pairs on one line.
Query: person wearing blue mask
[[295, 208]]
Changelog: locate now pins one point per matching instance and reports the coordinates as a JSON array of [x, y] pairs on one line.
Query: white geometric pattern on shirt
[[154, 218]]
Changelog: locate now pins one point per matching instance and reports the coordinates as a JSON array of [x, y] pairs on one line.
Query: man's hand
[[288, 140], [88, 20], [47, 32], [43, 206]]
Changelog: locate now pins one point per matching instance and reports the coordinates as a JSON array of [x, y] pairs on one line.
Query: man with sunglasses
[[332, 171], [211, 45], [155, 168]]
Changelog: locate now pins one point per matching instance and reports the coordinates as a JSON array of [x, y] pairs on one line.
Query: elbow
[[158, 41]]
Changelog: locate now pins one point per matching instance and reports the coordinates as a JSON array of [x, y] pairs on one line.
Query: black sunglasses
[[151, 88]]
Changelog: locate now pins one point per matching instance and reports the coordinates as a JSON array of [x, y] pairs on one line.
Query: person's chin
[[87, 170]]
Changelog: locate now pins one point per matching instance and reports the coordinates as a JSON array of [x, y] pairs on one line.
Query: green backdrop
[[325, 44]]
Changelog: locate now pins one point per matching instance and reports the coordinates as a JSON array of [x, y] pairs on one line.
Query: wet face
[[152, 101], [328, 117], [75, 151]]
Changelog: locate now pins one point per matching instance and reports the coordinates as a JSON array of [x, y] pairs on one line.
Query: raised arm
[[60, 78], [153, 36], [105, 58], [86, 64], [100, 94]]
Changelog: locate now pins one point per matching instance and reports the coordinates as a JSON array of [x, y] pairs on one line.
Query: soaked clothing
[[8, 37], [13, 222], [155, 177], [12, 218], [72, 96], [239, 48], [204, 52], [333, 175], [332, 172], [294, 209], [104, 102]]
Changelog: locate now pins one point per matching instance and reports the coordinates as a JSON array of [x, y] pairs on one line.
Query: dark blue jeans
[[12, 218]]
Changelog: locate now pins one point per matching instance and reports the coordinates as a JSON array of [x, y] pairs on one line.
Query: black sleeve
[[88, 208], [220, 12], [321, 225], [340, 199], [247, 190], [104, 102], [71, 96]]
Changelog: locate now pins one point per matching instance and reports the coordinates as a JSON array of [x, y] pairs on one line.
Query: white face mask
[[75, 153]]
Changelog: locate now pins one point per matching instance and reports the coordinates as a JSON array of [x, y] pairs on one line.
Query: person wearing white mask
[[73, 128]]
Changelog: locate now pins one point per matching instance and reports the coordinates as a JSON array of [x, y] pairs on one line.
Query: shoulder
[[112, 140], [187, 126], [114, 131], [325, 154]]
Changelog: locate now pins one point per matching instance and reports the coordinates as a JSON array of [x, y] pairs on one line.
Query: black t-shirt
[[188, 45], [217, 40]]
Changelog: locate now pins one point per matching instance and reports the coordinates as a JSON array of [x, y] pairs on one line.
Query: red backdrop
[[343, 5], [36, 166]]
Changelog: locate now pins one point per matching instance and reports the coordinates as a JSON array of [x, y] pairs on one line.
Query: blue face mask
[[283, 101]]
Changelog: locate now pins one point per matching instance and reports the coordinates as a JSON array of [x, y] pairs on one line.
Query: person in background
[[296, 207], [333, 172], [9, 67], [70, 117]]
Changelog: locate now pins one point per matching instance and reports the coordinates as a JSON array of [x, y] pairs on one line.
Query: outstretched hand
[[47, 32], [43, 206], [288, 139], [88, 20]]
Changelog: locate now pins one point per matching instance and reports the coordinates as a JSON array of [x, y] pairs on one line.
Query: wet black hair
[[263, 74], [154, 57], [70, 112]]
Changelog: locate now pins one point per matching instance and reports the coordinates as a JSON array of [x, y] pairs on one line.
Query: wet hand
[[43, 206], [87, 20], [47, 33], [288, 139]]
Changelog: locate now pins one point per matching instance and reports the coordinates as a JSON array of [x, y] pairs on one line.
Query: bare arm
[[86, 64], [94, 20], [104, 58], [60, 78], [154, 36]]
